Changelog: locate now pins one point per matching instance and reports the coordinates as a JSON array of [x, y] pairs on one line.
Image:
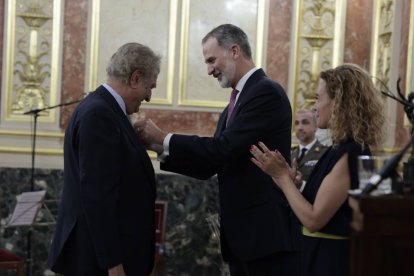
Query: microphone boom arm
[[38, 110]]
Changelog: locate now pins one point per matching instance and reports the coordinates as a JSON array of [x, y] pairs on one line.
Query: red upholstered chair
[[9, 260], [160, 221]]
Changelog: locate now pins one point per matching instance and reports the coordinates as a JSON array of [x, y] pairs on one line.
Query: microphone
[[386, 171]]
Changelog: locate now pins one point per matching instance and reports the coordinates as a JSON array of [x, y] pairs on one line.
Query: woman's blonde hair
[[357, 112]]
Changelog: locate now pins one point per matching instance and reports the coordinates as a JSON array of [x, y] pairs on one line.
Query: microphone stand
[[408, 104], [388, 170], [35, 113]]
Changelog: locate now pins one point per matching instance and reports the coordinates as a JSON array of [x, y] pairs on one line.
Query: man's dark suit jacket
[[308, 162], [254, 211], [106, 214]]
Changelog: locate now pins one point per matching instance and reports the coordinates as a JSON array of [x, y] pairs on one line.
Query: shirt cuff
[[166, 145], [302, 186]]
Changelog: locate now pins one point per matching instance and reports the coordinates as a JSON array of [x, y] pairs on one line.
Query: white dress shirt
[[239, 87]]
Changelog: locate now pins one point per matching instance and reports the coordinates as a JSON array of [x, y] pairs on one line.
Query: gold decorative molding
[[318, 45], [381, 48], [92, 71], [385, 56], [24, 133], [19, 141], [258, 46], [261, 31], [31, 77], [97, 60], [31, 65], [28, 150], [171, 55], [409, 78]]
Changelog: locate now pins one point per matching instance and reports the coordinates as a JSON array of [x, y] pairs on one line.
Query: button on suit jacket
[[254, 211]]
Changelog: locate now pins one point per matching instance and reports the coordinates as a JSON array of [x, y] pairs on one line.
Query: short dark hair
[[228, 34], [131, 57]]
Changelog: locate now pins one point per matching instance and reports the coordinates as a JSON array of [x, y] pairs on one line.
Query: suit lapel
[[307, 157], [128, 129], [244, 94], [221, 124]]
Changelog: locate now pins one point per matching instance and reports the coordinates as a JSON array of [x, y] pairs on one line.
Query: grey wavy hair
[[131, 57]]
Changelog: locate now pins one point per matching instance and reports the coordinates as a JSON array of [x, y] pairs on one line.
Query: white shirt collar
[[118, 98], [243, 80], [308, 146]]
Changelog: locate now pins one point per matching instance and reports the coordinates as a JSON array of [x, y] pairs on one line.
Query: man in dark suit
[[106, 218], [255, 232], [309, 150]]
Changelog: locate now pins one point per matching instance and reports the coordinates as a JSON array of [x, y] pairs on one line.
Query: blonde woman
[[350, 107]]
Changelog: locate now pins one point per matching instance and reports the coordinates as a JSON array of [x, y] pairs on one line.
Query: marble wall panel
[[195, 25], [1, 43], [358, 30], [385, 62], [403, 126], [129, 21], [190, 247], [278, 44], [74, 55], [184, 122], [14, 182], [410, 66]]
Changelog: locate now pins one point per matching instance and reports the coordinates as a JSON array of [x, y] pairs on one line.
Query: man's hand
[[272, 163], [150, 134], [295, 174], [116, 271]]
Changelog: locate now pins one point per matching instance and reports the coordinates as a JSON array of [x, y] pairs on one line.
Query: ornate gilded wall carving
[[385, 53], [382, 45], [318, 45], [31, 77], [32, 68], [32, 48], [410, 55]]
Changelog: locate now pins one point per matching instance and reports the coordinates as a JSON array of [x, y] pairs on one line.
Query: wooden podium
[[382, 240]]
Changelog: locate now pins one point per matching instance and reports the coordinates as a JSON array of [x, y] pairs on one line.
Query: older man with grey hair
[[106, 216]]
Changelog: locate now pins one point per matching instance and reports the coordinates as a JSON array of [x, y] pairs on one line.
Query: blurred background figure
[[309, 150]]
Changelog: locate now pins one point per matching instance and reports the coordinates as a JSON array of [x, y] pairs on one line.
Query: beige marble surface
[[74, 54], [145, 22], [203, 17], [187, 80], [358, 32], [279, 45], [1, 42]]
